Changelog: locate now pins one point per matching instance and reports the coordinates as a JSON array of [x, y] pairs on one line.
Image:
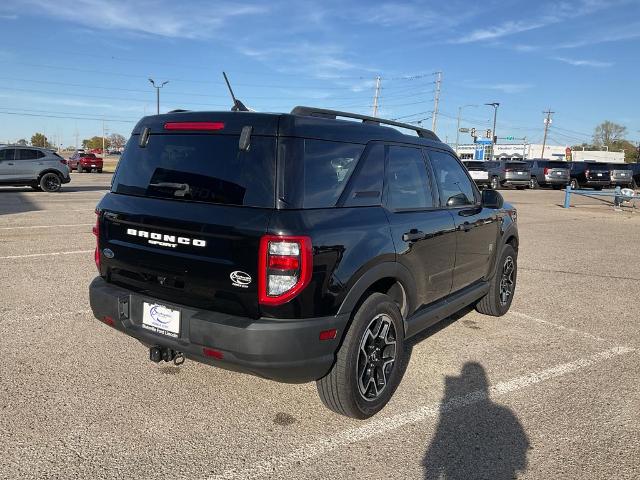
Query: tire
[[50, 182], [341, 390], [533, 183], [575, 185], [495, 183], [633, 185], [495, 302], [80, 168]]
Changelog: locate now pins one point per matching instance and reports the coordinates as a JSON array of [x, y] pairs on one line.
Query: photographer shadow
[[475, 438]]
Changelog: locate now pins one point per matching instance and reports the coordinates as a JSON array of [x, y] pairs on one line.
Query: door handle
[[413, 235]]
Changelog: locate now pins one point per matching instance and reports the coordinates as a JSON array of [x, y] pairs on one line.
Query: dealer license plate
[[160, 319]]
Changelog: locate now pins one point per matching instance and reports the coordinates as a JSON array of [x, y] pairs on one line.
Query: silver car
[[39, 168]]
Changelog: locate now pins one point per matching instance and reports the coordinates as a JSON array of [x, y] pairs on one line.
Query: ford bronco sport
[[297, 247]]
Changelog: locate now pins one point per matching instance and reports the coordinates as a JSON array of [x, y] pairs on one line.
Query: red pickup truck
[[85, 162]]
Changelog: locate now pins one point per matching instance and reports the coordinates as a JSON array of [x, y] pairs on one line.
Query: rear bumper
[[551, 180], [283, 350], [623, 182], [596, 183], [516, 182]]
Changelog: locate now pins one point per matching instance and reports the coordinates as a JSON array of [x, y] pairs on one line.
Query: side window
[[27, 154], [6, 154], [455, 187], [40, 154], [317, 171], [408, 184], [366, 187]]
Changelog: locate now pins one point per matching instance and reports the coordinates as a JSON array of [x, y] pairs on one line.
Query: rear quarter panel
[[347, 242]]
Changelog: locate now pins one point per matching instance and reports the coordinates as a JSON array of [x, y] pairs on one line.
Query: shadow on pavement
[[15, 201], [475, 438]]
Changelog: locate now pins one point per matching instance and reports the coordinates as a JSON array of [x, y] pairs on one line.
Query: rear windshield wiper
[[181, 189]]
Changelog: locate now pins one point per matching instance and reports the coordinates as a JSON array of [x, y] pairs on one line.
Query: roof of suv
[[305, 122]]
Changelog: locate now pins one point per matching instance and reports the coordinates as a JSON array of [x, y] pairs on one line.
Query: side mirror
[[458, 200], [492, 199]]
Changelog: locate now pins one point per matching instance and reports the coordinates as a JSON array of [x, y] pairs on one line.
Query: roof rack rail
[[333, 114], [178, 110]]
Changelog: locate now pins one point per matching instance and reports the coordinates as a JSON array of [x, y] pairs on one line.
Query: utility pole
[[376, 96], [547, 123], [495, 106], [436, 101], [158, 93]]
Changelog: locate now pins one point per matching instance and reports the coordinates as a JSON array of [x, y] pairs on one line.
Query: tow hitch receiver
[[156, 354]]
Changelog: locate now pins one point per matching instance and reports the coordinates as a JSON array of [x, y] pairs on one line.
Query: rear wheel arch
[[389, 278]]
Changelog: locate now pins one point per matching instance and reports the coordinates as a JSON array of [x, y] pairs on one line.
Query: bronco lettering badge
[[165, 240]]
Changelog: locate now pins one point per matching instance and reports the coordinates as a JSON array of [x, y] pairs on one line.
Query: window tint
[[7, 154], [455, 186], [199, 168], [408, 184], [316, 171], [366, 186], [27, 154]]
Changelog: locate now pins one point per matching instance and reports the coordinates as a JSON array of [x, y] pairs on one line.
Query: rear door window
[[408, 184], [28, 154], [199, 168]]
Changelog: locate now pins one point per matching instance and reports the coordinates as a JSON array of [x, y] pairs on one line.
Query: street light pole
[[158, 93], [458, 129], [495, 106]]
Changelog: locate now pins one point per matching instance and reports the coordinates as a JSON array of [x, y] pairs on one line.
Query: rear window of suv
[[199, 168]]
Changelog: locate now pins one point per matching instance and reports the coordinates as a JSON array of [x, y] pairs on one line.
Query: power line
[[61, 117]]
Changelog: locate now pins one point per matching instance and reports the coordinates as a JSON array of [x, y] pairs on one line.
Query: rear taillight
[[63, 161], [546, 170], [586, 173], [284, 268], [96, 232]]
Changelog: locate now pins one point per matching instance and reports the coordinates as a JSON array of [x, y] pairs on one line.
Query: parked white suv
[[39, 168]]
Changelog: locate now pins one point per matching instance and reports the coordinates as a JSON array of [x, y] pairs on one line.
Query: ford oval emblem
[[107, 252], [240, 279]]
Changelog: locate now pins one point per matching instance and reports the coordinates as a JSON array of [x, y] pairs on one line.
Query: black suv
[[296, 247], [589, 174]]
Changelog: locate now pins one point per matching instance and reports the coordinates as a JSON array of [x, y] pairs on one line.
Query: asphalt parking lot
[[548, 391]]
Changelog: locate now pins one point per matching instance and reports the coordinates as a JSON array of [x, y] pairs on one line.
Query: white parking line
[[9, 257], [48, 226], [559, 327], [378, 427]]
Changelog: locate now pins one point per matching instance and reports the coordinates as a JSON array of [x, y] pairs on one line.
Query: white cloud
[[8, 16], [168, 19], [584, 63]]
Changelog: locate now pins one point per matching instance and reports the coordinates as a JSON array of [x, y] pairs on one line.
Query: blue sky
[[70, 63]]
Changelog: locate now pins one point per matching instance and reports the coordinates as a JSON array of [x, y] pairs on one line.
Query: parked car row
[[536, 173]]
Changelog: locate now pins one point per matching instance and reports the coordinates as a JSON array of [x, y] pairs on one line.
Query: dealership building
[[523, 151]]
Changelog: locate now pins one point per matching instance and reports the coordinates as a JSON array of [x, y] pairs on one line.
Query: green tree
[[630, 150], [607, 133], [95, 142], [39, 140]]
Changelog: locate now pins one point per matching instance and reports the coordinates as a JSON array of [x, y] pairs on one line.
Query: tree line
[[613, 136], [114, 141]]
